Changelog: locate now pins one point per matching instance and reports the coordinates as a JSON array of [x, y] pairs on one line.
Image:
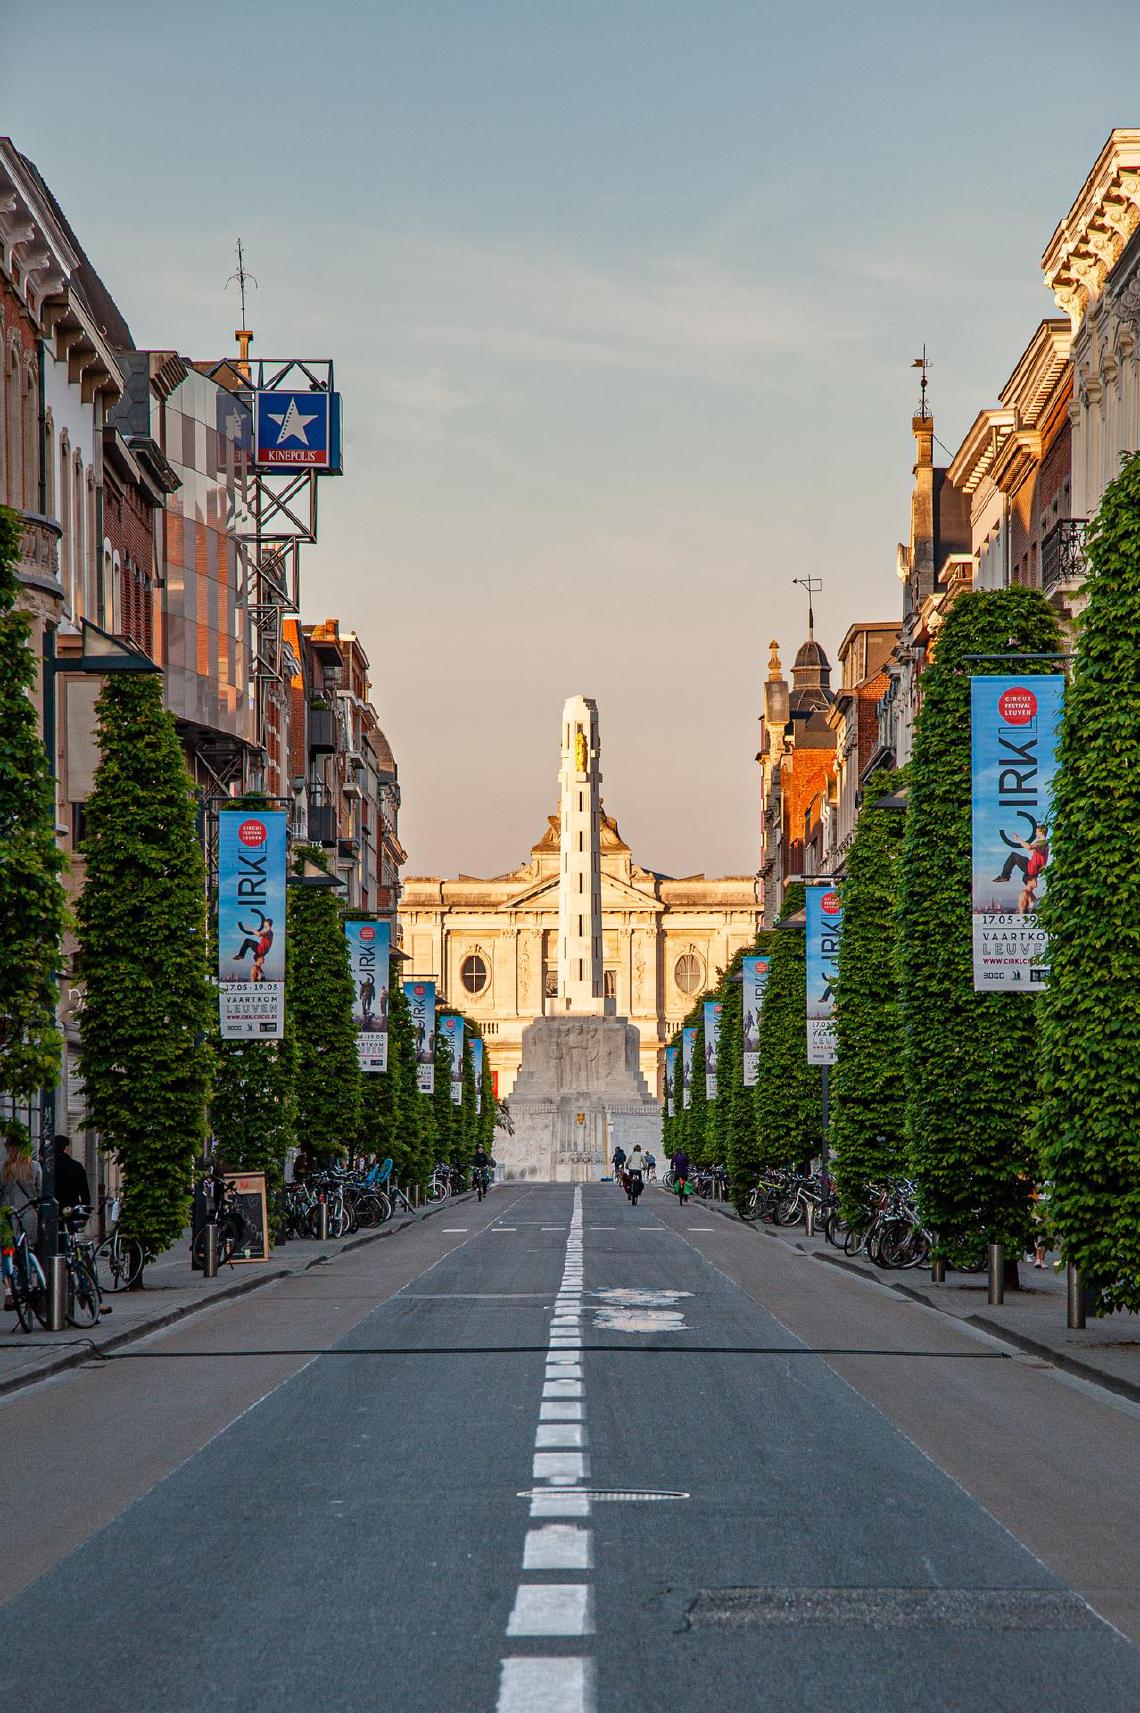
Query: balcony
[[322, 731], [322, 824], [1063, 558]]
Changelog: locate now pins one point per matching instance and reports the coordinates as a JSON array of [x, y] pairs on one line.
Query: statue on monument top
[[581, 751]]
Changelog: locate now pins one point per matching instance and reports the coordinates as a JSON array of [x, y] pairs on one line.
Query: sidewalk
[[1106, 1351], [173, 1290]]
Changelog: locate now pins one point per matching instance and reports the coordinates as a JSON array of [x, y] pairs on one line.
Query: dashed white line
[[552, 1609], [546, 1686], [550, 1434], [558, 1546]]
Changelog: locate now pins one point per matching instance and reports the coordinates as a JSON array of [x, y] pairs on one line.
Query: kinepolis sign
[[1015, 724]]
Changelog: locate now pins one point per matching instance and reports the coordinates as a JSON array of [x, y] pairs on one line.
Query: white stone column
[[580, 876]]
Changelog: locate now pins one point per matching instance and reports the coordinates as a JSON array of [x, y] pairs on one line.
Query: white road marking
[[550, 1502], [552, 1609], [452, 1230], [547, 1686], [558, 1546], [511, 1228], [559, 1466], [550, 1434], [562, 1389], [560, 1412]]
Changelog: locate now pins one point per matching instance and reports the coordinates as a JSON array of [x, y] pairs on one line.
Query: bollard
[[809, 1218], [210, 1250], [322, 1221], [1076, 1295], [997, 1275], [938, 1272], [55, 1269]]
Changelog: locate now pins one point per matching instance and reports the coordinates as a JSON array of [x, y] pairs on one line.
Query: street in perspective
[[569, 1059]]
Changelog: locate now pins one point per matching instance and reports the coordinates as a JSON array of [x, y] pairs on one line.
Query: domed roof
[[811, 655]]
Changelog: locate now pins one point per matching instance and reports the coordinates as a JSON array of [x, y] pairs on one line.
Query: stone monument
[[579, 1091]]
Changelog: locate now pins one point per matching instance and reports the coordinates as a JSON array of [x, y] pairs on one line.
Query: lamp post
[[100, 655]]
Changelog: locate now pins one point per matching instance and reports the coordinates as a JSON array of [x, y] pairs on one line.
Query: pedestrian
[[680, 1164], [72, 1188], [20, 1181]]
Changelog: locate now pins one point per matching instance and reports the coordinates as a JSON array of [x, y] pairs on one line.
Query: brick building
[[853, 716], [797, 766]]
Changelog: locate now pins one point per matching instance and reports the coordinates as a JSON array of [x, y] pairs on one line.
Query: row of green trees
[[982, 1098], [157, 1076]]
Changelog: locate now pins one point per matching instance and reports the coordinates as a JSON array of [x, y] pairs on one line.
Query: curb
[[78, 1351]]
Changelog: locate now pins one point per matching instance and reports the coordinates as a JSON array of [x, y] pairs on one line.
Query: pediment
[[616, 894]]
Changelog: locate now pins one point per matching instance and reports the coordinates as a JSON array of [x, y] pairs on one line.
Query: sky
[[622, 298]]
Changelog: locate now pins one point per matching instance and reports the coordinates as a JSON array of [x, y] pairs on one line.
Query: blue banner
[[477, 1060], [754, 974], [369, 944], [297, 431], [251, 923], [713, 1010], [451, 1028], [421, 1000], [824, 923], [672, 1060], [688, 1048], [1015, 725]]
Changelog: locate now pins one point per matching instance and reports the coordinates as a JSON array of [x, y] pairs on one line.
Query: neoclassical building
[[492, 945]]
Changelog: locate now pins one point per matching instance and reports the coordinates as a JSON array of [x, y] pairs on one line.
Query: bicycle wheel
[[118, 1263], [338, 1219], [835, 1230], [368, 1212], [788, 1209], [29, 1289], [82, 1294]]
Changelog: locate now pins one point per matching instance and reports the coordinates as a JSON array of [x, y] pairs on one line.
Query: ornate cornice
[[1088, 242]]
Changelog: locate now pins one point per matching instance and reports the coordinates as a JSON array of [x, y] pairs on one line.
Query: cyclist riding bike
[[680, 1164], [481, 1168], [635, 1174], [619, 1165]]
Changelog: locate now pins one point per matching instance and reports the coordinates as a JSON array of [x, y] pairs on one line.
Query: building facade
[[864, 655], [492, 945], [797, 772]]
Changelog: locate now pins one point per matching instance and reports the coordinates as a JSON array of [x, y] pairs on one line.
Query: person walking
[[680, 1164], [20, 1182], [72, 1188]]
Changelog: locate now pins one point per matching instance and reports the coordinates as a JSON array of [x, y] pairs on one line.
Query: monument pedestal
[[579, 1093]]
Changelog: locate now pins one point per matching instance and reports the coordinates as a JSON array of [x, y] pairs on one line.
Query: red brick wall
[[805, 774], [867, 696], [127, 524]]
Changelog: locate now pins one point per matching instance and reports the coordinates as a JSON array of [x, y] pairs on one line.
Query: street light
[[100, 655]]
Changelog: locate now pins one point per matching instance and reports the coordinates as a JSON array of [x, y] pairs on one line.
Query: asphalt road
[[554, 1453]]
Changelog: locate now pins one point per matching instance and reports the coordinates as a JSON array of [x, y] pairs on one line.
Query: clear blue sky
[[623, 299]]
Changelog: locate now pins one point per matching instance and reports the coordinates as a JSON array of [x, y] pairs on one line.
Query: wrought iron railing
[[1063, 554]]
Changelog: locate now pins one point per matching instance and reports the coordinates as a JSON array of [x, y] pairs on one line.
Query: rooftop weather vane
[[243, 335], [925, 365], [814, 586]]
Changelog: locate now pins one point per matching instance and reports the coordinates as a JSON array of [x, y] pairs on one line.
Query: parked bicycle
[[118, 1260]]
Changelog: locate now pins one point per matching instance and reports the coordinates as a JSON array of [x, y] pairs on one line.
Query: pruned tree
[[32, 899], [147, 1021], [320, 994], [868, 1081], [970, 1058], [1089, 1019], [788, 1093]]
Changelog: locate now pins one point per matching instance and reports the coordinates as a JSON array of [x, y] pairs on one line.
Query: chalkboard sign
[[250, 1203]]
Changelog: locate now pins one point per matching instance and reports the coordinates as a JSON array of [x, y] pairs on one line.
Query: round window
[[474, 973], [688, 973]]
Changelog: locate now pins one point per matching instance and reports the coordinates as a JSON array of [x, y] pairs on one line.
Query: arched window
[[689, 973], [49, 464], [31, 441], [92, 547], [474, 973], [66, 522], [609, 984], [15, 431], [78, 564]]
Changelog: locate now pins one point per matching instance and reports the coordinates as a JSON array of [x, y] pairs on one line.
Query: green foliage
[[253, 1105], [320, 994], [1089, 1019], [444, 1109], [147, 1017], [696, 1118], [469, 1109], [789, 1092], [392, 1122], [734, 1101], [32, 903], [868, 1082], [970, 1057]]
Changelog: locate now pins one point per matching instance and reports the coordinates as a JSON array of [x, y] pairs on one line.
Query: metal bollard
[[1075, 1291], [938, 1272], [55, 1270], [809, 1219], [322, 1221], [997, 1275], [210, 1251]]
